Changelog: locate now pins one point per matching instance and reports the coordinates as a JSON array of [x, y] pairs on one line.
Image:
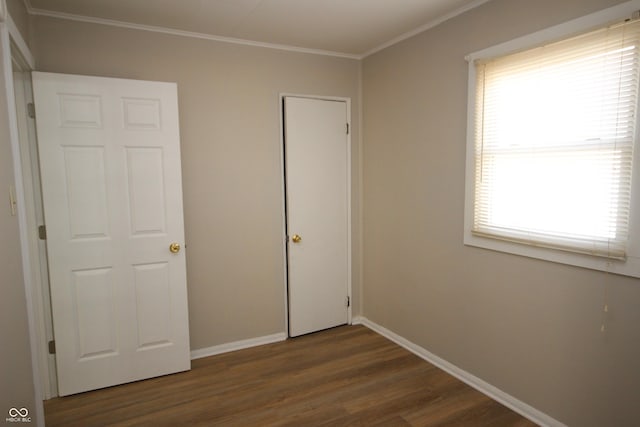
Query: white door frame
[[281, 97], [35, 217], [10, 38]]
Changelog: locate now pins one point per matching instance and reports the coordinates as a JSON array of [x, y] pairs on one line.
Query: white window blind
[[554, 136]]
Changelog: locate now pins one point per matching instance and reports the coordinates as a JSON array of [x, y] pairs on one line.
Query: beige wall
[[230, 131], [16, 377], [531, 328]]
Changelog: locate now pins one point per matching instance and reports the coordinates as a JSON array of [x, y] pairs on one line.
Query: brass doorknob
[[174, 248], [296, 239]]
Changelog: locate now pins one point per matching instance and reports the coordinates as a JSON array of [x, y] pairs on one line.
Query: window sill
[[630, 267]]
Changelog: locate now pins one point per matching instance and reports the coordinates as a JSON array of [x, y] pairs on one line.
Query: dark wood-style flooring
[[347, 376]]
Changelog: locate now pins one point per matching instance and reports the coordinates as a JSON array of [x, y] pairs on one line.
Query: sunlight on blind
[[555, 129]]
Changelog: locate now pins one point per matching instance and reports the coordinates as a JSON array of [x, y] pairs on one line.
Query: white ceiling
[[350, 27]]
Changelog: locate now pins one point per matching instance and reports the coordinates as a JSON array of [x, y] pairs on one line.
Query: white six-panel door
[[111, 177], [317, 199]]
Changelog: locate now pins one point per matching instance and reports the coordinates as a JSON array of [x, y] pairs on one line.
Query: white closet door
[[316, 152]]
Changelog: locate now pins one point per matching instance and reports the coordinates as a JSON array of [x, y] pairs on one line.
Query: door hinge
[[31, 110], [42, 232], [347, 128], [52, 347], [348, 301]]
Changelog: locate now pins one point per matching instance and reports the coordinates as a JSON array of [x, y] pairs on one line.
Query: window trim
[[628, 267]]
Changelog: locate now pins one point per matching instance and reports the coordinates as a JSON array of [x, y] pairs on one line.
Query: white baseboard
[[237, 345], [357, 320], [507, 400]]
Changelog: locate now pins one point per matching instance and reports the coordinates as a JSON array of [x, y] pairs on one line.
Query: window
[[551, 148]]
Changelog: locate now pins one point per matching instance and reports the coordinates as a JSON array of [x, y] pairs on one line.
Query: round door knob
[[296, 239], [174, 248]]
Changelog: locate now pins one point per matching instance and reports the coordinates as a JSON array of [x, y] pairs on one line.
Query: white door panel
[[111, 178], [316, 152]]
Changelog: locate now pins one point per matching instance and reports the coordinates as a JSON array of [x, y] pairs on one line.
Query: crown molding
[[152, 28], [425, 27], [164, 30]]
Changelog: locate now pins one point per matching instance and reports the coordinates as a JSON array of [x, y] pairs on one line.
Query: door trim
[[8, 34], [36, 247], [38, 279], [281, 98]]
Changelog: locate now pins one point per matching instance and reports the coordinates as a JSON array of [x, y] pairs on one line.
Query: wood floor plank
[[346, 376]]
